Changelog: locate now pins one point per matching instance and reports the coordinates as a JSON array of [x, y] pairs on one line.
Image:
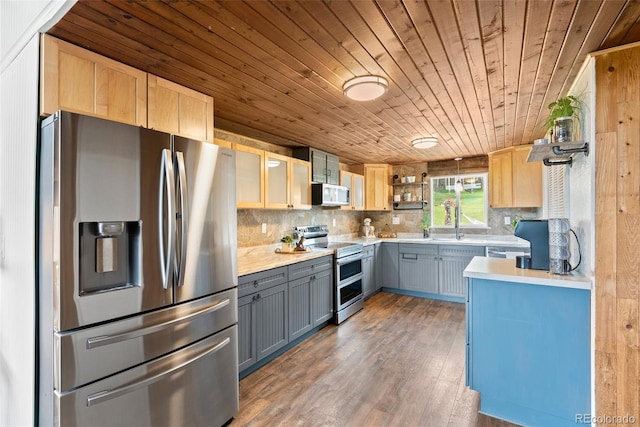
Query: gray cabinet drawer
[[415, 248], [260, 281], [307, 268], [367, 251], [461, 250]]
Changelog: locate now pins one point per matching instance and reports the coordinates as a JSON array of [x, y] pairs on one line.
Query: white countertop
[[442, 239], [505, 270], [260, 258]]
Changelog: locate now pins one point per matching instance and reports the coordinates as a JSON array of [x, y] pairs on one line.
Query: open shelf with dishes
[[408, 194]]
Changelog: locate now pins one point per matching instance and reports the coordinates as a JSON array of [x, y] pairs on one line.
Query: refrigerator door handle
[[183, 192], [167, 180], [103, 340], [103, 396]]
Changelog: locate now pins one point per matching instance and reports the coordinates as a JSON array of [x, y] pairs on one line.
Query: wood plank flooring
[[399, 362]]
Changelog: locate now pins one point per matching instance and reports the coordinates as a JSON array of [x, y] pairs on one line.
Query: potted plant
[[563, 112], [287, 243], [426, 224]]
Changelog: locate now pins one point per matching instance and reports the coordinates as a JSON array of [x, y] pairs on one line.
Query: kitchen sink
[[454, 240]]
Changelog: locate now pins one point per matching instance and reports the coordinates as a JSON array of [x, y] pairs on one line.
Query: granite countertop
[[505, 270], [260, 258]]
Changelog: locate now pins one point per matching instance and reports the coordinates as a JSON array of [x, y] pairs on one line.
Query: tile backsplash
[[279, 222]]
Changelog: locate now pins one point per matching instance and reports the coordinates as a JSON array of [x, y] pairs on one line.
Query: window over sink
[[473, 200]]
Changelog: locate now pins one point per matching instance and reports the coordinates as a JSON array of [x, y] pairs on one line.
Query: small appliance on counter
[[536, 232]]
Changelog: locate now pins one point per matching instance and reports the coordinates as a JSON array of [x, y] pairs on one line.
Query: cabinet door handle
[[255, 283]]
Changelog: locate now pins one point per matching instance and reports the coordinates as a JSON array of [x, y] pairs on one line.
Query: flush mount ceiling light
[[365, 88], [424, 143]]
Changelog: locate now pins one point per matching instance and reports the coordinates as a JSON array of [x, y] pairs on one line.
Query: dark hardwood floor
[[398, 362]]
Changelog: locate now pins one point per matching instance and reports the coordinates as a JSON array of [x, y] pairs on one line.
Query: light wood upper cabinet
[[376, 182], [287, 182], [355, 183], [513, 182], [249, 177], [500, 180], [179, 110], [276, 179], [80, 81], [300, 184]]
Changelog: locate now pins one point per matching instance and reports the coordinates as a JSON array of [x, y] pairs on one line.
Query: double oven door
[[348, 281]]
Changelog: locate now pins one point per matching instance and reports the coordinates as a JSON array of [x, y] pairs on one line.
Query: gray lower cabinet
[[279, 305], [272, 330], [389, 257], [322, 297], [368, 271], [377, 266], [429, 268], [262, 315], [453, 260], [418, 270], [310, 302], [300, 321]]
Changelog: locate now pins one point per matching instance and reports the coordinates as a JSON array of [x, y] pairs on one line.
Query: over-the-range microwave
[[329, 195]]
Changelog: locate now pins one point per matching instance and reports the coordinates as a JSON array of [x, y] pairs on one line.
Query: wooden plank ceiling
[[478, 75]]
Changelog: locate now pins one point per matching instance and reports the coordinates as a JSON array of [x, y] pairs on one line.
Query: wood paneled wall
[[617, 352]]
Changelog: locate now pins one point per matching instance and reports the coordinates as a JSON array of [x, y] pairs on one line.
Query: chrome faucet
[[457, 216]]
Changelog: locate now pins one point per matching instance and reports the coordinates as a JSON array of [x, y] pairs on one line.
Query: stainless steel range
[[348, 297]]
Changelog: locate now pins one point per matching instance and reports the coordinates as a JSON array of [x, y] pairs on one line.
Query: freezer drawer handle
[[103, 396], [103, 340]]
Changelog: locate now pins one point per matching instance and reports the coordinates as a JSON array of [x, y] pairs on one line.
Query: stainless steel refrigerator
[[137, 298]]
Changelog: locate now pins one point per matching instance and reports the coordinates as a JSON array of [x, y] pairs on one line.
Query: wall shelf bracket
[[548, 162], [559, 151]]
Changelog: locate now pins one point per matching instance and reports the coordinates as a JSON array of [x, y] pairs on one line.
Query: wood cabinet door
[[300, 184], [80, 81], [357, 192], [276, 181], [179, 110], [500, 180], [527, 179], [346, 180], [376, 181], [249, 177]]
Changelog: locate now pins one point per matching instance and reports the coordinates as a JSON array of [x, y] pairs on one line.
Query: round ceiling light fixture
[[365, 88], [424, 143]]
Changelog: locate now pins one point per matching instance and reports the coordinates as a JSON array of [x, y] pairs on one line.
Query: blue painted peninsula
[[528, 343]]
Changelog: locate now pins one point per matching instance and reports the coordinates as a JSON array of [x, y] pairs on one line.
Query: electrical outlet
[[333, 222], [507, 220], [395, 220], [264, 228]]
